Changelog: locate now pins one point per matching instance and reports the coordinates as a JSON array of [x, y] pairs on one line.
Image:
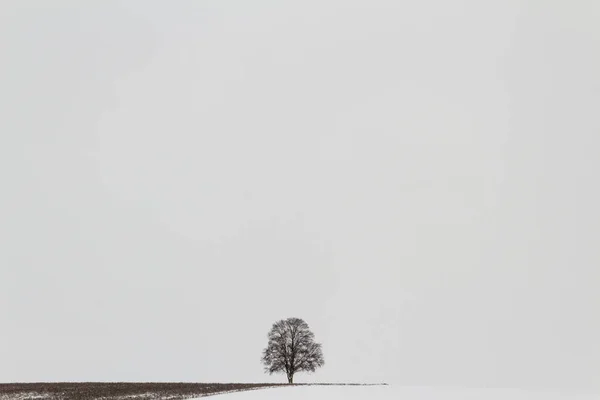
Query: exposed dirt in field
[[120, 391]]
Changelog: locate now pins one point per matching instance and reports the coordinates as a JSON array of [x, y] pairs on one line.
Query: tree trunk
[[291, 379]]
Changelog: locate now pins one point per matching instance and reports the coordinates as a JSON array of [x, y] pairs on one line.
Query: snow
[[404, 393], [26, 396]]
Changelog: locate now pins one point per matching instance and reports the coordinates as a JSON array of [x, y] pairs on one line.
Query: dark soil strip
[[120, 391], [134, 391]]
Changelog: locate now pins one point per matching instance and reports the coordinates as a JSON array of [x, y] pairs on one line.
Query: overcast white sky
[[418, 180]]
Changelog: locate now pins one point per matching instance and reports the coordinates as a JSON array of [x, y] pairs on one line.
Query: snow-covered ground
[[402, 393]]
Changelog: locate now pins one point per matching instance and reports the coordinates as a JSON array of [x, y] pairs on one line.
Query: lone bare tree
[[292, 349]]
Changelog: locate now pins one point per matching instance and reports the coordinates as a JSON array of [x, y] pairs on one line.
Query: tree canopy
[[291, 349]]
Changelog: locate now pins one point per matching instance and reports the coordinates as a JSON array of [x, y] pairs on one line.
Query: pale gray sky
[[418, 180]]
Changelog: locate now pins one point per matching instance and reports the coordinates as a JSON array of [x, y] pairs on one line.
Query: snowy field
[[403, 393], [179, 391]]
